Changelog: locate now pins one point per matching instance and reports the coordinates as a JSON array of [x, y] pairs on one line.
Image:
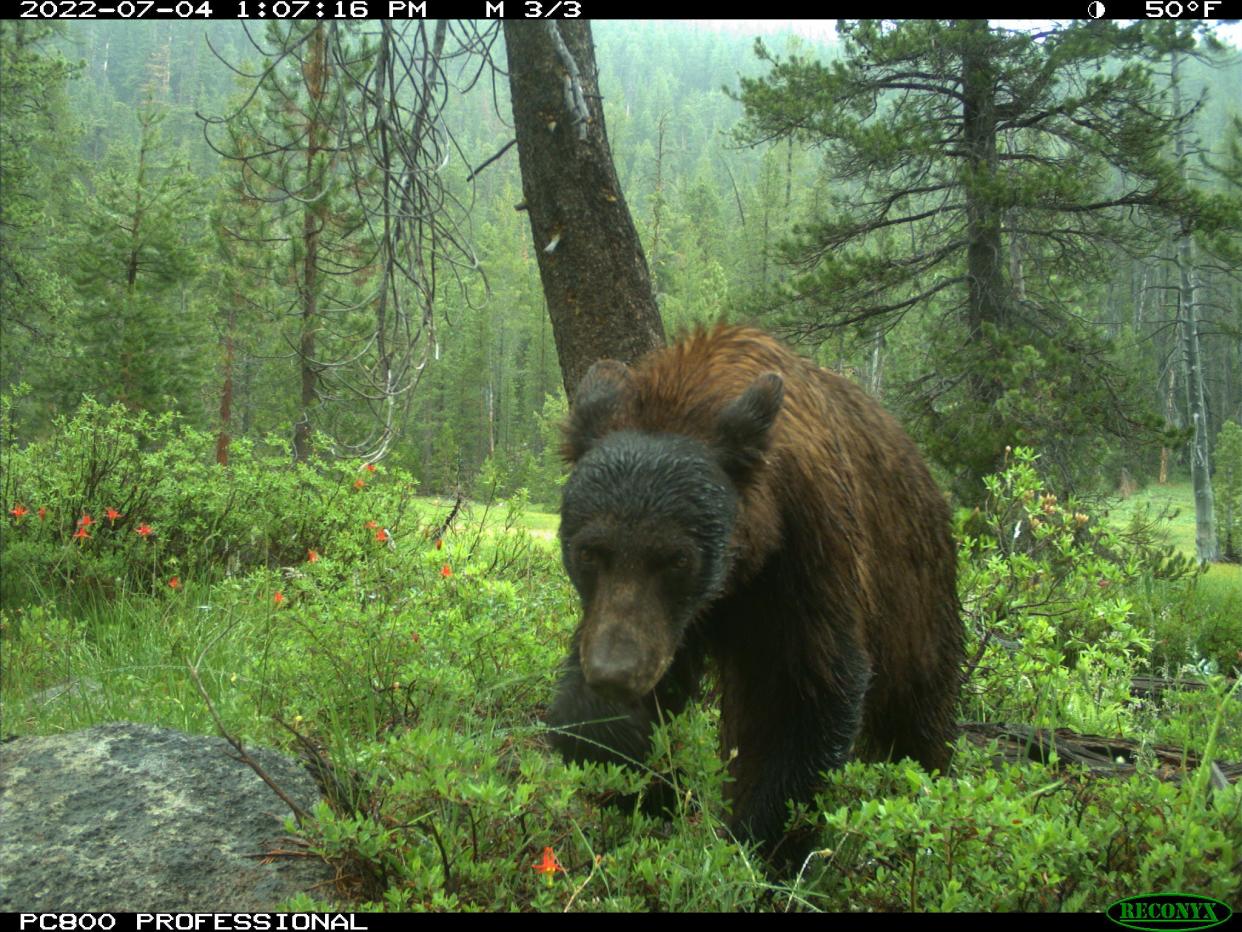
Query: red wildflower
[[80, 534], [113, 514], [549, 865], [42, 513], [381, 535], [175, 582], [372, 525], [446, 572], [17, 511], [143, 530], [369, 467], [312, 556], [358, 483], [278, 597], [85, 521]]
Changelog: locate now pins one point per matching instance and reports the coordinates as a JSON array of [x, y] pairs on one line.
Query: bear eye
[[680, 561], [590, 556]]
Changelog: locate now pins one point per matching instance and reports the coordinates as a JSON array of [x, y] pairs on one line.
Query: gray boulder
[[126, 817]]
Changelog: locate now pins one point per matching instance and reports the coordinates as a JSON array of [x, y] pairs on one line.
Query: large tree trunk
[[988, 299], [594, 273], [1170, 417], [1206, 545]]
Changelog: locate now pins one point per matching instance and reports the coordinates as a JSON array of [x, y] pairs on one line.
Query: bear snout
[[617, 667]]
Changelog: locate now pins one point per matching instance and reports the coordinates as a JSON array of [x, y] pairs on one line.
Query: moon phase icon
[[1096, 9]]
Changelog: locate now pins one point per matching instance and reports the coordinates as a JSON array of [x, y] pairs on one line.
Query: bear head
[[646, 522]]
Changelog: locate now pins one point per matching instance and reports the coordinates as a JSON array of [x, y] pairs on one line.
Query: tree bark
[[594, 273], [1170, 417], [223, 437]]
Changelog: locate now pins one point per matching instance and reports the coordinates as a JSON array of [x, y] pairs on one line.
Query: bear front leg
[[591, 728], [787, 732]]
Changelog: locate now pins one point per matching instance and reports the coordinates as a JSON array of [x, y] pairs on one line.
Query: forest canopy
[[980, 224]]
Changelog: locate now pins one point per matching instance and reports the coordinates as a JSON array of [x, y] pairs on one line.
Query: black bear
[[730, 500]]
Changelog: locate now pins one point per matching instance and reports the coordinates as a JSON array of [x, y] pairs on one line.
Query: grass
[[1195, 622], [125, 658], [541, 524], [1175, 500]]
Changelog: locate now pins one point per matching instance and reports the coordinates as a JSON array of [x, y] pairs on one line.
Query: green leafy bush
[[117, 500], [419, 667], [1020, 838], [1048, 595]]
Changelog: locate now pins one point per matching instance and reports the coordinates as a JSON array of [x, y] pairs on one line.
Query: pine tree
[[36, 140], [980, 172], [137, 253]]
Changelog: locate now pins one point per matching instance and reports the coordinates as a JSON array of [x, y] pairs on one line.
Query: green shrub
[[121, 501], [420, 669], [1021, 838], [1048, 594]]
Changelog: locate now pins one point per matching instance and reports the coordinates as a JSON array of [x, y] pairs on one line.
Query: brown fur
[[838, 625]]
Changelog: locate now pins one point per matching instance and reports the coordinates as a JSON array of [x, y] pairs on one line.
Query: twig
[[507, 146], [582, 886], [298, 812], [443, 529]]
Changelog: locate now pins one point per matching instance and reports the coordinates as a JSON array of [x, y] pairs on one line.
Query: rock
[[126, 817]]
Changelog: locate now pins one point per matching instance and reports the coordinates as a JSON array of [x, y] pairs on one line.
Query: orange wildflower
[[549, 865]]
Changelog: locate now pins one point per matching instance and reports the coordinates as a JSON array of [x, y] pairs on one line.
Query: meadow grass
[[1176, 502], [1197, 621]]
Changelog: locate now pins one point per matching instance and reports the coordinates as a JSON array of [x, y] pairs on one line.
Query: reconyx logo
[[1160, 912]]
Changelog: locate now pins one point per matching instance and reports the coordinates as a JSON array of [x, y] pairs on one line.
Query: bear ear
[[744, 427], [602, 392]]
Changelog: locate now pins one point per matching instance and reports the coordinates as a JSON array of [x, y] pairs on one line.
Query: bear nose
[[611, 669]]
